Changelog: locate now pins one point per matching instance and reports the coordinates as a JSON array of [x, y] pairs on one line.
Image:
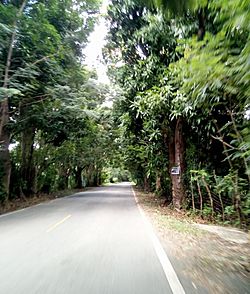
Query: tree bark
[[201, 198], [28, 173], [178, 190], [237, 198], [171, 157], [4, 148], [209, 195], [99, 178], [78, 177], [202, 28], [146, 184], [192, 194], [90, 176], [96, 178], [171, 151], [158, 182]]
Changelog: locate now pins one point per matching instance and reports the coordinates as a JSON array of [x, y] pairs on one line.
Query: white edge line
[[168, 269]]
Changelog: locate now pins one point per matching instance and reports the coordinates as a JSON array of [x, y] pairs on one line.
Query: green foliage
[[174, 6], [60, 130], [115, 174], [166, 74], [207, 211]]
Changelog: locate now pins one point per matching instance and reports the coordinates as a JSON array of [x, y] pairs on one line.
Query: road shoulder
[[199, 257], [19, 204]]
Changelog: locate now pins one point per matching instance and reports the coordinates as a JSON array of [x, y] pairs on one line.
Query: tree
[[5, 92], [184, 77], [32, 68], [157, 35]]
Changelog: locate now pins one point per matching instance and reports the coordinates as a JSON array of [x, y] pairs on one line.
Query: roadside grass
[[166, 218], [201, 255], [181, 226]]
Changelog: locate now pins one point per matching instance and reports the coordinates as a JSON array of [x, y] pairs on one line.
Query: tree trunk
[[97, 175], [222, 207], [201, 198], [4, 149], [158, 182], [146, 184], [78, 178], [168, 140], [171, 150], [4, 113], [28, 173], [178, 191], [192, 194], [209, 195], [63, 181], [99, 178], [90, 176], [171, 158], [238, 199], [202, 28]]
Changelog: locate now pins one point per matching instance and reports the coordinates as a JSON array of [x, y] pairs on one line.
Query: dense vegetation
[[54, 132], [180, 119], [184, 113]]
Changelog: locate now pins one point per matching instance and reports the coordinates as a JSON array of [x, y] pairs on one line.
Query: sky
[[93, 50]]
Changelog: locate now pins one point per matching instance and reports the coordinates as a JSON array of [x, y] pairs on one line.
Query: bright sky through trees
[[93, 51]]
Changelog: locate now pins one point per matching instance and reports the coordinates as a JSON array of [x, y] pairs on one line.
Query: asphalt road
[[94, 242]]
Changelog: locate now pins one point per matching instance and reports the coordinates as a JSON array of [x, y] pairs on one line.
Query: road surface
[[93, 242]]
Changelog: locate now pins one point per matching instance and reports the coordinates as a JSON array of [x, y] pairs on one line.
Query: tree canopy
[[184, 112], [54, 130], [180, 117]]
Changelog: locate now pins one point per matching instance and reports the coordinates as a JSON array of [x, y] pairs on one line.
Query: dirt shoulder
[[205, 261], [19, 203]]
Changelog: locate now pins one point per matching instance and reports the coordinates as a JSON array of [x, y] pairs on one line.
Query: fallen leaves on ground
[[204, 257]]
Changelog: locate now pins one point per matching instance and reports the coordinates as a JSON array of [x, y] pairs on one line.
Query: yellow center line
[[57, 224]]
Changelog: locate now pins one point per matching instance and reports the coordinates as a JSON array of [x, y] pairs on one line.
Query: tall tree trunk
[[200, 194], [90, 176], [171, 151], [158, 182], [63, 181], [209, 194], [146, 184], [178, 190], [168, 140], [202, 28], [28, 173], [5, 163], [96, 178], [78, 177], [99, 178], [237, 198], [4, 112], [192, 194]]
